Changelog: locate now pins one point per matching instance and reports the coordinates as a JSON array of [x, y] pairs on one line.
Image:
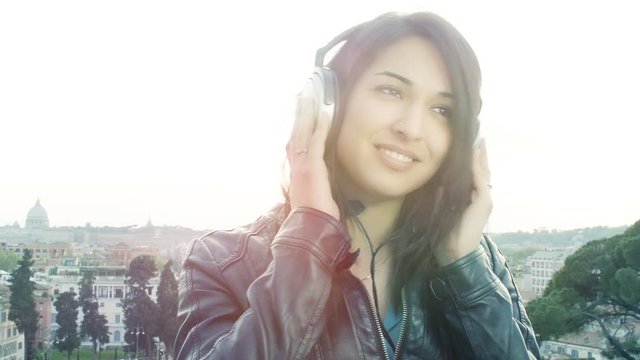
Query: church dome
[[37, 218]]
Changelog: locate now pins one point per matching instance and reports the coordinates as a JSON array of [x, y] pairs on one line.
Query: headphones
[[322, 84]]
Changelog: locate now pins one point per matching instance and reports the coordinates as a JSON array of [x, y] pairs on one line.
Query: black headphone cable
[[372, 269]]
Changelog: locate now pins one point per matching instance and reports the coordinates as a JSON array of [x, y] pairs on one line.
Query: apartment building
[[543, 265], [109, 288], [12, 346]]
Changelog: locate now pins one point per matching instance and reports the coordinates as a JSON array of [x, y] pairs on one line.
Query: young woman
[[378, 251]]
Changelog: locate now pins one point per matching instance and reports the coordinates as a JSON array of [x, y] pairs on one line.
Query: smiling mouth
[[405, 158]]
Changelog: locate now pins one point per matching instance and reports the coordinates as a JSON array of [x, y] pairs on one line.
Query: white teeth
[[397, 156]]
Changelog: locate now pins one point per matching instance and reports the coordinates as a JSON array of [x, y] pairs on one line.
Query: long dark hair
[[430, 212]]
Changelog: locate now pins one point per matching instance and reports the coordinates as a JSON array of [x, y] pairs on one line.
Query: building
[[543, 265], [36, 229], [12, 345], [524, 284], [119, 254], [587, 345], [44, 306], [44, 254], [109, 288]]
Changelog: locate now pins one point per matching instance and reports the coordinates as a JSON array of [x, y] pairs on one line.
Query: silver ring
[[301, 151]]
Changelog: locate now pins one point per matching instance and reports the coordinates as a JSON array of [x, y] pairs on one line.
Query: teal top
[[392, 322]]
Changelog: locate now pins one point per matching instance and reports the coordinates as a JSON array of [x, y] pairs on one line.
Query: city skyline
[[24, 223], [119, 113]]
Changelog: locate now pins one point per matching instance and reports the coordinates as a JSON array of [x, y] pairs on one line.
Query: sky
[[120, 112]]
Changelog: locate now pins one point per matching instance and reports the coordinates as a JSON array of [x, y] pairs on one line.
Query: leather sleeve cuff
[[317, 232], [466, 280]]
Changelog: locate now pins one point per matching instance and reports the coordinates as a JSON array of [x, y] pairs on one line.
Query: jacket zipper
[[374, 314], [403, 327]]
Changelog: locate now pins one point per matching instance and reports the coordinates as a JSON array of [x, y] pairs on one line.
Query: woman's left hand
[[465, 236]]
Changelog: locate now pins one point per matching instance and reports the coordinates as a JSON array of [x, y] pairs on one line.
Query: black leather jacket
[[280, 289]]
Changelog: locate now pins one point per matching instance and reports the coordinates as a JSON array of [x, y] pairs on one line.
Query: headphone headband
[[322, 52]]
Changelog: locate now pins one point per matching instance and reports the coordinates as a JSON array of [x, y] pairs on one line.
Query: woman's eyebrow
[[447, 95], [403, 79], [396, 76], [409, 82]]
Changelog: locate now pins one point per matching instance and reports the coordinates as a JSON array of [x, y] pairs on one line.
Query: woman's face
[[396, 128]]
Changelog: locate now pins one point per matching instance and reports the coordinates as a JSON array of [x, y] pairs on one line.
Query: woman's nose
[[411, 122]]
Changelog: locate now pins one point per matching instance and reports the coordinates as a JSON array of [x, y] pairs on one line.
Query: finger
[[481, 172], [319, 137], [302, 125]]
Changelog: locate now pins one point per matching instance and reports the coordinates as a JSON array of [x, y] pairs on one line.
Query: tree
[[66, 338], [94, 324], [22, 306], [599, 284], [168, 303], [8, 260], [141, 314]]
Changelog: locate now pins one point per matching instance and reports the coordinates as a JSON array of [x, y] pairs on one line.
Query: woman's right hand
[[309, 184]]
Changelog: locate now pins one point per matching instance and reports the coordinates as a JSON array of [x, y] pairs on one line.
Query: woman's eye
[[389, 90], [442, 110]]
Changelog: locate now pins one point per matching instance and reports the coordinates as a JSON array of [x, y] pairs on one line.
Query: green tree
[[8, 260], [22, 306], [599, 284], [94, 324], [67, 338], [141, 314], [168, 303]]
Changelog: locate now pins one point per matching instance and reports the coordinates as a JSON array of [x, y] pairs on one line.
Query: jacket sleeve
[[286, 303], [482, 306]]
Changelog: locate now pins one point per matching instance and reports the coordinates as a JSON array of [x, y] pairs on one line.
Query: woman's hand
[[465, 236], [309, 184]]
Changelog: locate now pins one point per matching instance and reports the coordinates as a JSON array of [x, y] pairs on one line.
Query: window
[[20, 346], [589, 355], [118, 293], [116, 336], [3, 317], [101, 304], [574, 354], [55, 291], [117, 318], [41, 305]]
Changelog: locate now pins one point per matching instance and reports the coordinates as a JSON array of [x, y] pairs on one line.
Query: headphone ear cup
[[326, 90]]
